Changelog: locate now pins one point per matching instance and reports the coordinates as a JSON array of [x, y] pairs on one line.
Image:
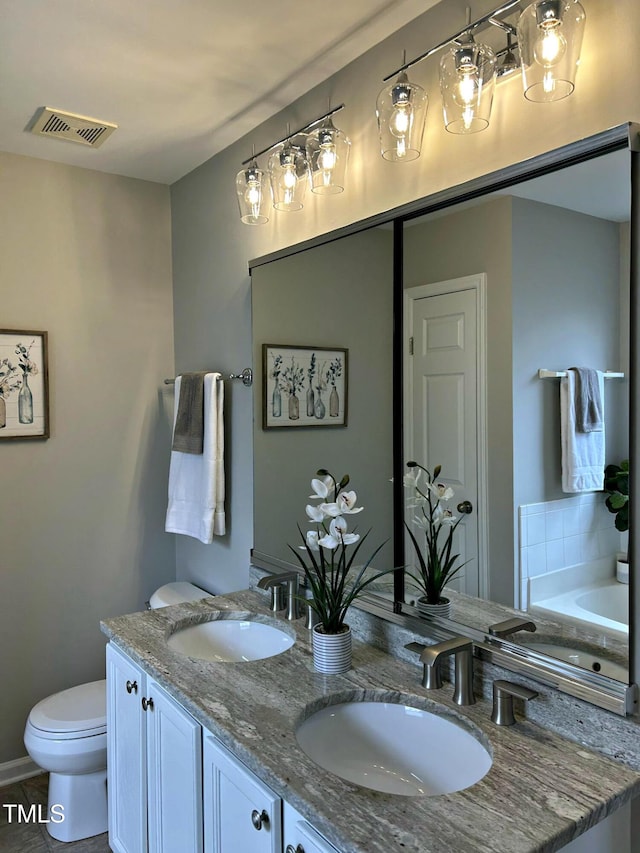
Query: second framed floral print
[[304, 386]]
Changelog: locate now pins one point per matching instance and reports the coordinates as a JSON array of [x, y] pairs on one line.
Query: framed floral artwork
[[24, 384], [304, 386]]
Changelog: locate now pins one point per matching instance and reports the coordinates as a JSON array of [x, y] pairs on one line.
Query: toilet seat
[[79, 712]]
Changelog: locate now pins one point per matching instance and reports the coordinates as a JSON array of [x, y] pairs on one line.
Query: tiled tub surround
[[541, 791], [572, 531]]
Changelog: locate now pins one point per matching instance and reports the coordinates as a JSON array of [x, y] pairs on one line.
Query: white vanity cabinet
[[154, 765], [240, 811], [299, 836]]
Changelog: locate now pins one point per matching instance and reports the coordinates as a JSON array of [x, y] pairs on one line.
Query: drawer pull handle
[[132, 686], [147, 704], [297, 849], [259, 819]]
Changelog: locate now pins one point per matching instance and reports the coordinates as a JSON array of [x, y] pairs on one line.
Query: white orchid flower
[[314, 513], [331, 510], [410, 480], [421, 521], [321, 487], [441, 491], [338, 535], [448, 518], [312, 541], [347, 503]]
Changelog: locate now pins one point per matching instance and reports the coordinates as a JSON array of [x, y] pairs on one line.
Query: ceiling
[[182, 79]]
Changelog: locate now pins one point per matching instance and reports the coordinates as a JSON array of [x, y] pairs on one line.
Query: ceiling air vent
[[61, 125]]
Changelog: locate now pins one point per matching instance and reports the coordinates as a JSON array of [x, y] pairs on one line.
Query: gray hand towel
[[188, 433], [588, 401]]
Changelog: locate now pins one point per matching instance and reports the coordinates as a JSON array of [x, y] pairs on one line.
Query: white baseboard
[[16, 771]]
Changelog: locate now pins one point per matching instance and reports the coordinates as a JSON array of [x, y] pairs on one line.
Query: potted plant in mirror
[[335, 581], [616, 484], [436, 564]]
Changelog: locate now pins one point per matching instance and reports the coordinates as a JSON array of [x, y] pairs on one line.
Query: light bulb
[[551, 47], [400, 120], [289, 178], [327, 157], [467, 89]]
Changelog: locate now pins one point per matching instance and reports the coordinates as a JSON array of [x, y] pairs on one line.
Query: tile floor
[[33, 837]]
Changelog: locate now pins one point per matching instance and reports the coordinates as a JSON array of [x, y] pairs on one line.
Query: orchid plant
[[437, 565], [334, 581]]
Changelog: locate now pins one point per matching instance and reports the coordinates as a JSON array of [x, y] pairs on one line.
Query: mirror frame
[[594, 688]]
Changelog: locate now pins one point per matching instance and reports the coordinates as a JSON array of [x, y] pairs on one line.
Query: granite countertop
[[540, 792]]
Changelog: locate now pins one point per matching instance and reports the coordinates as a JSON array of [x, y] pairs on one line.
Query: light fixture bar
[[304, 127], [485, 19]]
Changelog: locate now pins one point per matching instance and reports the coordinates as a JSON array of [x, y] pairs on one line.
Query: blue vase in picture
[[25, 402], [320, 408], [276, 403]]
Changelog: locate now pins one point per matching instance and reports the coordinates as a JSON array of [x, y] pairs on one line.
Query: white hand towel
[[582, 452], [196, 482]]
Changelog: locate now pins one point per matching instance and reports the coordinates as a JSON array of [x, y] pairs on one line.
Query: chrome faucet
[[462, 649], [292, 580], [510, 626], [503, 695]]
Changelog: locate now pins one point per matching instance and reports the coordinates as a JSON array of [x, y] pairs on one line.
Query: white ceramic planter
[[442, 608], [331, 652], [622, 569]]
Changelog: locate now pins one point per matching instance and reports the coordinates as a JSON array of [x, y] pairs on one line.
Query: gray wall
[[86, 257], [211, 248], [566, 312], [478, 240], [341, 295]]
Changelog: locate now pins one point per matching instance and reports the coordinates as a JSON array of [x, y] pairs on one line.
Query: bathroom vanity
[[215, 753]]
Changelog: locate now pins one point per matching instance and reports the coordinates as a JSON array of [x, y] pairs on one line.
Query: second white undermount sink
[[394, 748], [230, 640]]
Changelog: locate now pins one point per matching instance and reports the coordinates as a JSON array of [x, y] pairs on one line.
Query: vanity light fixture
[[549, 38], [467, 79], [315, 154], [252, 192], [327, 154], [401, 109]]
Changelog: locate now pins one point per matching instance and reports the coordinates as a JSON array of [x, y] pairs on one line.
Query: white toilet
[[66, 734]]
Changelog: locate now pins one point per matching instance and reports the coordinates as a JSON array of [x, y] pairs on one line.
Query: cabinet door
[[174, 760], [300, 836], [126, 755], [241, 814]]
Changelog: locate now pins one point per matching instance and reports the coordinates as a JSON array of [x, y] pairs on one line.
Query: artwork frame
[[24, 384], [317, 377]]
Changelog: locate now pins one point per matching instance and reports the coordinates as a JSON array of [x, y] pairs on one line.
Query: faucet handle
[[510, 626], [503, 696], [431, 677]]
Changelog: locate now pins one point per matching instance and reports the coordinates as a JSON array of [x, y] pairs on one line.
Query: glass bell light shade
[[467, 81], [289, 175], [549, 38], [327, 154], [401, 110], [252, 192]]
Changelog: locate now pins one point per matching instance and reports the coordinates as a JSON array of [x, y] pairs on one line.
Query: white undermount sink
[[393, 748], [230, 640]]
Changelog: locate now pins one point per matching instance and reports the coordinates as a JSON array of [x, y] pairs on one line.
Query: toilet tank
[[176, 593]]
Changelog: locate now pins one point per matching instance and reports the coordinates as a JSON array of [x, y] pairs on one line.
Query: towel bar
[[558, 374], [245, 375]]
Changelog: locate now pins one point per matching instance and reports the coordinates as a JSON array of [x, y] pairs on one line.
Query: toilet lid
[[81, 710]]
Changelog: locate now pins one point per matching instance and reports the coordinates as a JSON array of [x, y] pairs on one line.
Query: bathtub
[[604, 603]]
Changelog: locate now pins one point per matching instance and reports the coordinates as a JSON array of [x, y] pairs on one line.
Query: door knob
[[465, 507], [260, 819]]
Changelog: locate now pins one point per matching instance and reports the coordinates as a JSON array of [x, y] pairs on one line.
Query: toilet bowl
[[66, 734]]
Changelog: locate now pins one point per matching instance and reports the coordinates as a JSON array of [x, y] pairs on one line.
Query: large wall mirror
[[532, 263]]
